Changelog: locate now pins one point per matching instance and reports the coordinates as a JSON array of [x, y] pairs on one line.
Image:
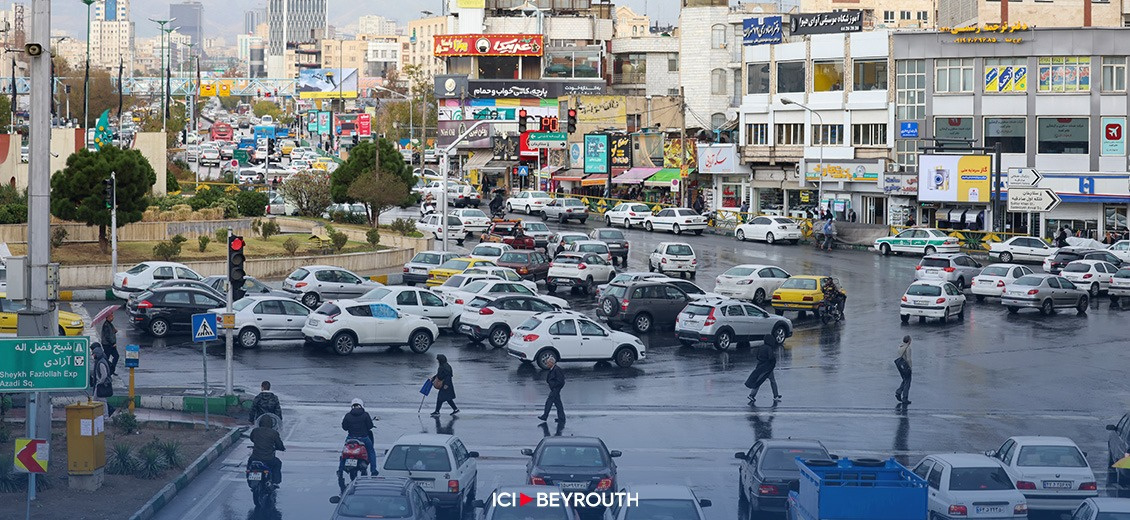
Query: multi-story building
[[642, 62], [111, 34], [421, 34], [292, 22], [628, 24], [373, 24], [384, 54], [710, 55], [883, 14], [252, 18], [189, 20], [344, 54]]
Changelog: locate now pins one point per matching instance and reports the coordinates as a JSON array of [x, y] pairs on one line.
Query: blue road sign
[[523, 171], [133, 356], [908, 129], [204, 327]]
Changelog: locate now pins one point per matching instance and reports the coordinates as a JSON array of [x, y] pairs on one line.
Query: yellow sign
[[472, 4], [987, 33], [684, 172], [224, 89], [31, 456], [227, 321], [208, 90], [335, 94]]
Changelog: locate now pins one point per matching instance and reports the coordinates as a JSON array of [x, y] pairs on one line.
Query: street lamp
[[820, 164], [161, 26], [86, 81]]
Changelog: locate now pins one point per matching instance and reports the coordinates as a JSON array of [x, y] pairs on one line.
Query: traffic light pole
[[228, 373], [114, 227]]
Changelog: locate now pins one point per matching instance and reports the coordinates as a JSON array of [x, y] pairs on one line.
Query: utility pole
[[682, 146]]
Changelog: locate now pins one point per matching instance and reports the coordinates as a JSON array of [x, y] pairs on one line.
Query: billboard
[[826, 23], [488, 45], [954, 178], [455, 87], [327, 84], [596, 153], [717, 158], [759, 31], [324, 123], [620, 151]]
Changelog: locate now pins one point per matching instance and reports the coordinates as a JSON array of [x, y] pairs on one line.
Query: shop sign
[[826, 23], [1006, 79], [759, 31], [489, 45], [987, 33], [900, 184], [717, 158], [449, 131], [596, 153], [672, 148], [843, 171], [505, 148], [620, 150], [458, 86], [954, 178], [1114, 136], [602, 111]]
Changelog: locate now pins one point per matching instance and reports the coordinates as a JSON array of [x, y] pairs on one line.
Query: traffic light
[[270, 146], [108, 192], [236, 275], [571, 125], [522, 115]]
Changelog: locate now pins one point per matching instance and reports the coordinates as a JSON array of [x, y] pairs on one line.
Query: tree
[[103, 93], [5, 112], [229, 102], [270, 108], [174, 124], [361, 162], [77, 194], [309, 191], [378, 193]]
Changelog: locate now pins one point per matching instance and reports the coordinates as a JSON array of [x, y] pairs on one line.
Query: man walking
[[556, 381], [442, 382], [829, 234], [903, 364], [110, 342], [766, 363]]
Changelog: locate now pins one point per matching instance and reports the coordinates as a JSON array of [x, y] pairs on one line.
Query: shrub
[[5, 433], [171, 183], [269, 229], [121, 460], [125, 422], [10, 480], [172, 452], [231, 210], [5, 404], [344, 217], [221, 236], [205, 196], [251, 203], [58, 236], [373, 237], [338, 239], [167, 251], [178, 239], [404, 226], [151, 462], [202, 242], [291, 246]]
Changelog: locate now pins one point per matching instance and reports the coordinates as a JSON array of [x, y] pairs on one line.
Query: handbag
[[104, 390], [437, 383], [901, 364]]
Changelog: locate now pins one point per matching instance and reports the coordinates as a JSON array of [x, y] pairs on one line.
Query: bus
[[221, 132]]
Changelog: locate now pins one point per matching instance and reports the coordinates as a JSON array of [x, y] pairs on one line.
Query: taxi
[[321, 164], [287, 147], [922, 241], [453, 267], [70, 324], [801, 293]]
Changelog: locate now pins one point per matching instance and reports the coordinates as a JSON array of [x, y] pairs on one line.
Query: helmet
[[357, 402]]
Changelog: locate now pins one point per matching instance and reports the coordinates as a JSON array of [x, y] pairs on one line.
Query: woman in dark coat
[[443, 382], [766, 363]]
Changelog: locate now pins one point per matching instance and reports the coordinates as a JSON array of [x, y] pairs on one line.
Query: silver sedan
[[1046, 292], [267, 318]]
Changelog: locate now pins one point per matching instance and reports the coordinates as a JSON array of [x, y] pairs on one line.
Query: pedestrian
[[556, 381], [103, 385], [766, 363], [852, 216], [829, 234], [358, 425], [265, 402], [699, 204], [744, 211], [442, 382], [1061, 237], [110, 342], [910, 222], [904, 367]]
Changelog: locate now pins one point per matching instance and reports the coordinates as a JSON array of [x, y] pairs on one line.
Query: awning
[[635, 175], [546, 171], [595, 179], [477, 161], [569, 176], [662, 178], [971, 216]]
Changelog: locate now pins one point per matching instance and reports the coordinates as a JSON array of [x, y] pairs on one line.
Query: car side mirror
[[704, 502], [833, 456], [740, 455], [527, 452], [335, 499], [473, 454], [615, 453], [1111, 427]]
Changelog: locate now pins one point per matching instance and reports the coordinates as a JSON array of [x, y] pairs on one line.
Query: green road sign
[[241, 156], [40, 364], [548, 137]]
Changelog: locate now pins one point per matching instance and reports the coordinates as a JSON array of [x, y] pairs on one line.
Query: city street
[[679, 414]]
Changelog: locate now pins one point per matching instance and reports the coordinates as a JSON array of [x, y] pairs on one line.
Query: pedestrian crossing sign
[[204, 327]]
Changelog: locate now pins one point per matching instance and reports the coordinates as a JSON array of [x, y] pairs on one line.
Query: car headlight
[[76, 323]]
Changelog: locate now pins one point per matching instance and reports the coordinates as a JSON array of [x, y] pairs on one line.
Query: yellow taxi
[[321, 164], [801, 293], [453, 267], [70, 324], [286, 147]]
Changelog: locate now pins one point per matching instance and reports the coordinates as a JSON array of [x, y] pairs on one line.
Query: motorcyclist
[[358, 425], [496, 203], [833, 295], [265, 441]]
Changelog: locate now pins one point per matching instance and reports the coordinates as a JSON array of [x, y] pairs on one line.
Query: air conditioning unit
[[893, 167]]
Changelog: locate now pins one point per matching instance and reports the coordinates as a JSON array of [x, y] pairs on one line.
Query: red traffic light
[[572, 112], [237, 244]]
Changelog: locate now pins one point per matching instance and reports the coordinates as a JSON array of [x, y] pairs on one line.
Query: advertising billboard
[[954, 178], [327, 84], [759, 31], [596, 153], [826, 23], [489, 45]]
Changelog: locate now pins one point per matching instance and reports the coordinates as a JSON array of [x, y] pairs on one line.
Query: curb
[[166, 494], [218, 405], [87, 295]]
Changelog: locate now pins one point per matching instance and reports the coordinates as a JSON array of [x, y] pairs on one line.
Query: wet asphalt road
[[679, 415]]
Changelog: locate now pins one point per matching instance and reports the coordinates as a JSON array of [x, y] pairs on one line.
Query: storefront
[[851, 189], [767, 190], [902, 198], [728, 182], [1093, 204]]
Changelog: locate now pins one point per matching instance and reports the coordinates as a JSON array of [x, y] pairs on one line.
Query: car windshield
[[739, 271], [665, 508], [935, 262], [1122, 273], [784, 459], [530, 324], [454, 281], [616, 291], [1113, 516], [593, 248], [1077, 268], [572, 456], [610, 234], [805, 284], [427, 258], [1051, 456], [569, 260], [376, 294], [697, 310], [474, 213], [478, 303], [680, 249], [1029, 281], [923, 290], [298, 274], [138, 269], [474, 287], [937, 233], [514, 258], [487, 251], [403, 457], [374, 506], [535, 226], [539, 195], [995, 271], [784, 221], [456, 264], [571, 202], [979, 479], [1067, 256]]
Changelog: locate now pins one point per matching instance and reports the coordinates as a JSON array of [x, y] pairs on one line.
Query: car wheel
[[1013, 310], [625, 356], [159, 327], [1094, 290], [642, 323], [550, 288], [509, 208], [980, 297], [693, 273], [921, 319], [499, 335], [343, 343], [723, 340], [528, 212], [1081, 307], [650, 266], [647, 225], [778, 335], [590, 286], [675, 229], [544, 356], [627, 224], [1047, 307], [609, 306], [961, 313], [885, 249], [454, 324], [420, 341], [905, 318], [310, 299], [1006, 257], [741, 236], [769, 238], [249, 338], [759, 296], [608, 221], [698, 232], [931, 250]]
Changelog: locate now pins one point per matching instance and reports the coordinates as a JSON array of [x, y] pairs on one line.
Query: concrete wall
[[153, 146], [388, 238], [136, 232]]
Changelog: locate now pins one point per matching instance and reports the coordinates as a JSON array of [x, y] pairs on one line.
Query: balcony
[[630, 78]]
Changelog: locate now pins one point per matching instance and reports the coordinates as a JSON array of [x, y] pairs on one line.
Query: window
[[923, 16], [953, 129], [672, 62], [589, 328], [406, 298], [790, 76], [1114, 74], [629, 68], [827, 134], [953, 75], [869, 75], [757, 133], [904, 15], [789, 133], [1009, 131], [564, 328], [718, 82], [1058, 135], [869, 134], [906, 155], [757, 78], [1005, 75], [888, 17], [827, 76], [718, 36], [1065, 74], [910, 94]]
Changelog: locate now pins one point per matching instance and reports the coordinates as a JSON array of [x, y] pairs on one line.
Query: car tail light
[[1086, 276], [694, 261], [744, 282], [406, 269], [663, 261], [608, 257], [439, 230], [710, 319], [300, 285], [951, 241], [551, 264], [949, 269], [807, 299], [1000, 283], [582, 266], [776, 296], [604, 485], [1088, 486], [537, 481], [530, 337], [459, 301], [1020, 509], [144, 304], [1023, 484], [940, 300], [523, 270], [782, 227], [332, 318], [917, 268], [904, 298], [632, 213], [687, 221], [768, 489], [1033, 291], [486, 311], [624, 305], [452, 486], [958, 511]]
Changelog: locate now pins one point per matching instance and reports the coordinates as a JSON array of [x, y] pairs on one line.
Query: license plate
[[574, 485], [984, 510], [1057, 484], [255, 476], [921, 302], [351, 463], [419, 270], [930, 271], [426, 484], [691, 325]]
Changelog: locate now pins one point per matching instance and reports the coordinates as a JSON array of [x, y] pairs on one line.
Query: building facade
[[294, 21], [645, 65], [189, 20], [421, 34], [111, 34], [373, 24]]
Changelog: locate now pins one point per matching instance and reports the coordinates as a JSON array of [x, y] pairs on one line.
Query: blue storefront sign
[[596, 153], [759, 31], [908, 129]]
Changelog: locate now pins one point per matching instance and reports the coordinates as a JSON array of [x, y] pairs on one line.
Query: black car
[[642, 304], [1118, 445], [769, 468], [384, 497], [617, 243], [1066, 255], [581, 464], [159, 311]]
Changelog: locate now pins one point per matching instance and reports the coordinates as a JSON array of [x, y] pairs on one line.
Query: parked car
[[1102, 508], [1065, 255], [462, 196], [592, 246], [932, 299], [725, 323], [659, 501], [474, 220], [539, 231], [417, 301], [1119, 286], [184, 282], [530, 265], [970, 485], [498, 288], [489, 251], [642, 304], [769, 229], [1118, 445], [673, 257], [676, 220], [317, 283], [503, 273], [768, 469], [563, 209], [277, 205], [141, 276], [578, 271], [923, 241], [1093, 275], [559, 242], [1021, 249], [1045, 292], [251, 287], [343, 325], [956, 268], [628, 277], [568, 336], [577, 464], [1051, 472], [617, 243], [528, 202], [493, 317], [416, 270], [160, 311], [509, 232], [751, 282], [439, 275], [993, 278], [70, 324], [557, 510], [267, 318], [1121, 249], [440, 464], [627, 214]]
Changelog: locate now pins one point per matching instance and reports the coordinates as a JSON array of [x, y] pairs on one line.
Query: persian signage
[[489, 45], [987, 33], [826, 23], [759, 31]]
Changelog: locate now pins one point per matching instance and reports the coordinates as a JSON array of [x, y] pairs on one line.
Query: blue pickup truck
[[857, 489]]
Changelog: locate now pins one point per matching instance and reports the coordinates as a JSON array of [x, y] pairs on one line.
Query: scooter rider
[[496, 203], [358, 425], [833, 295], [265, 441]]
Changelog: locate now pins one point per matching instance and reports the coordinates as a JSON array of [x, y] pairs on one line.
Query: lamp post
[[161, 27], [86, 82], [820, 164]]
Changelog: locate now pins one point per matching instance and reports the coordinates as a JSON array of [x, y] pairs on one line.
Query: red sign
[[31, 455], [1113, 132], [524, 148], [364, 125], [489, 45]]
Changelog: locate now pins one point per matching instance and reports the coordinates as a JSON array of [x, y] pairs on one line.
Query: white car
[[591, 246], [191, 152], [139, 277], [297, 165], [676, 220], [1093, 276], [343, 325], [1121, 249], [932, 299], [277, 205], [267, 318], [769, 229], [539, 231], [417, 301], [559, 242], [673, 257], [432, 225], [490, 251], [474, 220], [440, 464], [456, 283], [209, 155], [496, 288], [993, 278], [1103, 508], [564, 209], [922, 241], [568, 336], [1052, 472], [1119, 286], [659, 501], [752, 282], [416, 270], [504, 273], [493, 317], [970, 485], [579, 270], [528, 202], [627, 214], [1021, 249]]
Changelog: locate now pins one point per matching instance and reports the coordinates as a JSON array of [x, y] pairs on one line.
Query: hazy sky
[[225, 17]]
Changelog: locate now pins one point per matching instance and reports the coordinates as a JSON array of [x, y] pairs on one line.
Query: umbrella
[[108, 310], [1123, 463], [425, 390]]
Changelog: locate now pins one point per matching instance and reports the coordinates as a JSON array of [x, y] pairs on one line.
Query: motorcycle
[[356, 458], [427, 208], [830, 313], [258, 474]]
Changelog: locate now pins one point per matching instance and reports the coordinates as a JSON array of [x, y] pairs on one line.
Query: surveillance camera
[[33, 49]]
